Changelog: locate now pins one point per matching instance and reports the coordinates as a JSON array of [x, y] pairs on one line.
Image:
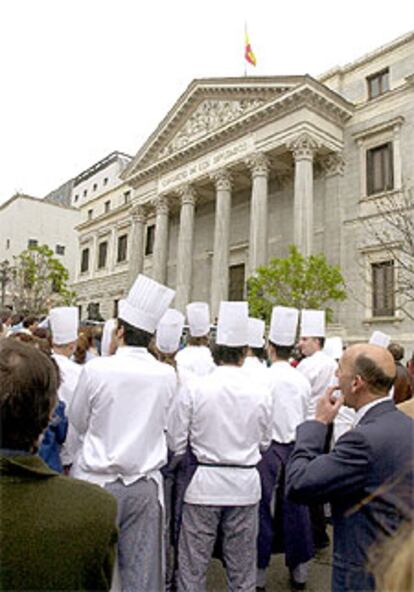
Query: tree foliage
[[297, 281], [39, 281]]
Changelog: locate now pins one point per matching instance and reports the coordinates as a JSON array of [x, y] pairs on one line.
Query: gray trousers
[[197, 536], [140, 524]]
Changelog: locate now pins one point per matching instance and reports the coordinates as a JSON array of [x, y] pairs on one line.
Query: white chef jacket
[[291, 393], [227, 418], [256, 369], [320, 370], [69, 375], [196, 359], [120, 407]]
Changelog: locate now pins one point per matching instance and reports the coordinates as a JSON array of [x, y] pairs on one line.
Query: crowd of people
[[131, 456]]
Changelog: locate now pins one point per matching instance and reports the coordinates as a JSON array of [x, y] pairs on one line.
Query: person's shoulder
[[82, 494]]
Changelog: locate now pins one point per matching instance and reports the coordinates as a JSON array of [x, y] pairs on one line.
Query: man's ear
[[357, 382]]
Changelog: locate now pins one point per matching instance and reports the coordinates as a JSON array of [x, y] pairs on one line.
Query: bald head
[[374, 364]]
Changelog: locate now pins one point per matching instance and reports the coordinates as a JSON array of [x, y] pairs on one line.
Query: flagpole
[[244, 58]]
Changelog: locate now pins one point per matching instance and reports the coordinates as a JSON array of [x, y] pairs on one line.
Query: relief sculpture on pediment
[[209, 116]]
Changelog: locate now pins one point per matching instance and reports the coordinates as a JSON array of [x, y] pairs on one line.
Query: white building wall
[[23, 218]]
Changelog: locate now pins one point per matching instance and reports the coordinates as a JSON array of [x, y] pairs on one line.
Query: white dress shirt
[[291, 392], [365, 408], [256, 369], [120, 408], [195, 358], [320, 370], [227, 419]]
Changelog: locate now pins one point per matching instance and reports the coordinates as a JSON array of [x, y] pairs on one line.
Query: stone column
[[333, 165], [136, 243], [185, 246], [303, 149], [259, 166], [159, 266], [220, 267]]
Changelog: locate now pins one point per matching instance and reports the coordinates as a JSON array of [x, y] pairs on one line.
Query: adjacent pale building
[[242, 167], [28, 221]]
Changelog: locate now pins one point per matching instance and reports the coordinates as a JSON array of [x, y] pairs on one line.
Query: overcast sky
[[82, 78]]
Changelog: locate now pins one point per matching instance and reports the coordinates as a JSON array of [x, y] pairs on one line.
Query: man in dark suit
[[368, 476], [56, 533]]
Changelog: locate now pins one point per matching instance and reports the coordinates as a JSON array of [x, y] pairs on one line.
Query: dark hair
[[259, 352], [83, 344], [42, 333], [396, 350], [134, 336], [5, 315], [321, 341], [16, 318], [374, 376], [282, 351], [28, 393], [197, 341], [222, 354], [22, 337], [27, 321]]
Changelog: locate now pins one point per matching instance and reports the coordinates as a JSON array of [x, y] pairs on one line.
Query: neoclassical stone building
[[242, 167]]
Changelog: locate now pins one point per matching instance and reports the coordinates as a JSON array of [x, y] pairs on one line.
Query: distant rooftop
[[99, 166], [61, 195]]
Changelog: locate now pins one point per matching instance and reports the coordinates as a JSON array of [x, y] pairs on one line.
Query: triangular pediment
[[207, 107]]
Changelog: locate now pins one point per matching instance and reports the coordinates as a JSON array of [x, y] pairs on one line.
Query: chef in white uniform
[[120, 408], [227, 418], [255, 364], [196, 356], [64, 325], [290, 397], [320, 370]]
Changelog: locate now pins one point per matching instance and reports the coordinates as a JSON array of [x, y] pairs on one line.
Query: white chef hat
[[380, 338], [64, 324], [284, 325], [256, 329], [198, 316], [169, 331], [108, 329], [232, 324], [312, 323], [333, 347], [145, 304]]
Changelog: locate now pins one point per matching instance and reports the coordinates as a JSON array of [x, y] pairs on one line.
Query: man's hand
[[328, 405]]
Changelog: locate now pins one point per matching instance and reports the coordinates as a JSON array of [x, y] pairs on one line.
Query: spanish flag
[[248, 52]]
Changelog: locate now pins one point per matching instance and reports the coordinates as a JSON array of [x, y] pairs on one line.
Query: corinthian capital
[[258, 163], [304, 146], [187, 195], [138, 213], [161, 205], [222, 179]]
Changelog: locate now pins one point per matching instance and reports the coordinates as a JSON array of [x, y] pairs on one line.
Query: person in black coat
[[368, 476]]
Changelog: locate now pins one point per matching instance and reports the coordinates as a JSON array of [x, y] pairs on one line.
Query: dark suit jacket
[[56, 533], [367, 478]]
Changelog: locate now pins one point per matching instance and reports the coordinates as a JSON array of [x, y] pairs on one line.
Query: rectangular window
[[378, 83], [80, 311], [7, 243], [32, 242], [236, 282], [85, 192], [60, 249], [93, 311], [122, 248], [105, 181], [383, 293], [76, 197], [380, 175], [95, 187], [107, 206], [115, 309], [102, 253], [149, 242], [127, 197], [90, 214], [84, 260]]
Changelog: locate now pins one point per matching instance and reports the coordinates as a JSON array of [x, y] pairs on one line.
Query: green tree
[[297, 281], [39, 281]]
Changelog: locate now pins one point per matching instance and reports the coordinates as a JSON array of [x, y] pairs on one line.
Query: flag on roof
[[248, 52]]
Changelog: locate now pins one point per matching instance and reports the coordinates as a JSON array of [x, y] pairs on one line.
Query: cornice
[[103, 217], [310, 94]]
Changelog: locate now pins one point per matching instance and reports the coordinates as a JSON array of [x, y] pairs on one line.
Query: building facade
[[241, 168], [103, 231], [27, 221]]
